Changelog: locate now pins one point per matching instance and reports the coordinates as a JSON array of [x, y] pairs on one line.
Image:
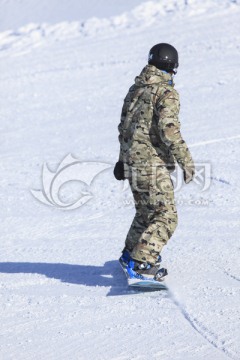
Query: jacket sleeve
[[121, 125], [169, 128], [120, 135]]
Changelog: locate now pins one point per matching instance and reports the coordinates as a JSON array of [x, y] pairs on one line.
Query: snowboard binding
[[142, 271]]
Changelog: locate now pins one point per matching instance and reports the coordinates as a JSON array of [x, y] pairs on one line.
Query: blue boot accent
[[131, 267], [132, 273], [125, 258]]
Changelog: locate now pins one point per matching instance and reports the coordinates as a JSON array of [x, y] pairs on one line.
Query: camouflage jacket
[[149, 130]]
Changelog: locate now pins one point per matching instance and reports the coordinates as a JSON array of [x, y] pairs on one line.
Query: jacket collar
[[152, 75]]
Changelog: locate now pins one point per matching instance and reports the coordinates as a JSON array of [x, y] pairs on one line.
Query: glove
[[188, 173], [119, 171]]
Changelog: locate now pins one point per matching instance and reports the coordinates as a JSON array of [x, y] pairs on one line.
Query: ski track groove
[[214, 141], [231, 276], [200, 328]]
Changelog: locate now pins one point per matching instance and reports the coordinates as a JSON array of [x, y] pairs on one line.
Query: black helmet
[[163, 56]]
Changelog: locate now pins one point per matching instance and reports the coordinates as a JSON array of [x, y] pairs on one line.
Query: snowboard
[[146, 285]]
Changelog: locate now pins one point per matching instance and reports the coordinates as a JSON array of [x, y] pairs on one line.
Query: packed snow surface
[[62, 84]]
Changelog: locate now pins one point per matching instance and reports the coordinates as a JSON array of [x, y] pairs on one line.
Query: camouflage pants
[[156, 214]]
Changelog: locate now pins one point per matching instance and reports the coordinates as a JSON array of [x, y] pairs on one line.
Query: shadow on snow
[[108, 275]]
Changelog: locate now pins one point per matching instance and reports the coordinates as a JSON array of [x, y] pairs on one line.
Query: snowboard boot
[[139, 270], [128, 265], [125, 258]]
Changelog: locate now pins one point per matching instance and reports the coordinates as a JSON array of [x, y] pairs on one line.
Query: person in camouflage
[[150, 143]]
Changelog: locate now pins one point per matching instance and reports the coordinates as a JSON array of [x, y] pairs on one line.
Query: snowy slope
[[16, 13], [63, 295], [148, 13]]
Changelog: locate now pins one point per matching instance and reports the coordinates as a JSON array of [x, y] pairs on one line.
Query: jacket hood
[[152, 75]]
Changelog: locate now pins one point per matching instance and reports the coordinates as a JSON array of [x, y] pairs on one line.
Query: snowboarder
[[150, 143]]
